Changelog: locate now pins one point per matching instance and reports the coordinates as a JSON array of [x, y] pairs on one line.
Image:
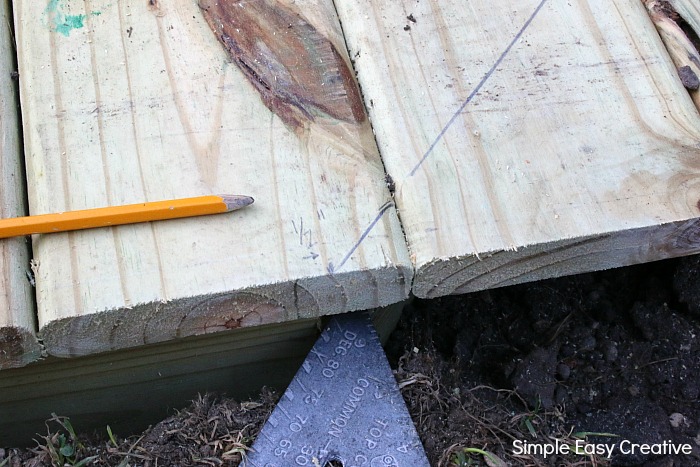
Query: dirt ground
[[612, 352], [490, 378]]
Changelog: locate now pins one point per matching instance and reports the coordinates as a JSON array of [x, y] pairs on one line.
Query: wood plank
[[680, 47], [689, 11], [158, 378], [527, 139], [126, 102], [130, 389], [18, 342]]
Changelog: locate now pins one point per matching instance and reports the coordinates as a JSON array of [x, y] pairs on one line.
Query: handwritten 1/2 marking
[[297, 71], [305, 238], [440, 135]]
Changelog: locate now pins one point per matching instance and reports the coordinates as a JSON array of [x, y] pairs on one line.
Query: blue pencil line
[[476, 89], [332, 269]]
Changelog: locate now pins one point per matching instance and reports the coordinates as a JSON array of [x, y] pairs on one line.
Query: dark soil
[[610, 352], [488, 374]]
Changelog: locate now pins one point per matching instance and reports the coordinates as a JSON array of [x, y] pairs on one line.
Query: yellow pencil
[[119, 215]]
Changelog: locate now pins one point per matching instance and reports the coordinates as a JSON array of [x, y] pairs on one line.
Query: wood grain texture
[[689, 11], [18, 342], [127, 102], [527, 139], [679, 46], [154, 379], [297, 70]]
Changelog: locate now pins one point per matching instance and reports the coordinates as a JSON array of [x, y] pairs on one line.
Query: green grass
[[63, 446]]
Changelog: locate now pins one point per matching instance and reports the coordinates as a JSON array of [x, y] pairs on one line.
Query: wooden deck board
[[126, 102], [527, 139], [524, 139], [18, 342], [130, 389]]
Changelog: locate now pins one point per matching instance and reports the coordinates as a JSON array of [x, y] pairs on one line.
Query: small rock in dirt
[[610, 351], [600, 365], [691, 390], [584, 408], [588, 343], [465, 344], [689, 78], [563, 371], [560, 395], [685, 281], [643, 318], [533, 378], [676, 419], [566, 351]]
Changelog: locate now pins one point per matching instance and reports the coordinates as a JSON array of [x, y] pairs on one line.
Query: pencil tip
[[234, 202]]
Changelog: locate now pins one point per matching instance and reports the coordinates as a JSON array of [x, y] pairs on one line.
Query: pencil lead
[[234, 202]]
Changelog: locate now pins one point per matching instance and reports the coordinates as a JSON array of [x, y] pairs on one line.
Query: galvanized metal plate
[[343, 407]]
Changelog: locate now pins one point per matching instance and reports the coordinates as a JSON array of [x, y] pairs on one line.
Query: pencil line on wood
[[332, 269], [477, 88]]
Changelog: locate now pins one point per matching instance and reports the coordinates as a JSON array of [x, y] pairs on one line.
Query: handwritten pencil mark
[[476, 89], [331, 268]]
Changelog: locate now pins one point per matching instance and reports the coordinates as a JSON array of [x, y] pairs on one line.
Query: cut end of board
[[469, 273], [155, 322], [18, 347], [292, 300]]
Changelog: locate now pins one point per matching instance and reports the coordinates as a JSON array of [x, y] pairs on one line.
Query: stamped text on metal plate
[[343, 405]]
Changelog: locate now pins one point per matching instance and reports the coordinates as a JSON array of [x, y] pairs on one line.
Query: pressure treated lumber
[[527, 139], [680, 47], [125, 102], [18, 342], [689, 11], [130, 389]]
